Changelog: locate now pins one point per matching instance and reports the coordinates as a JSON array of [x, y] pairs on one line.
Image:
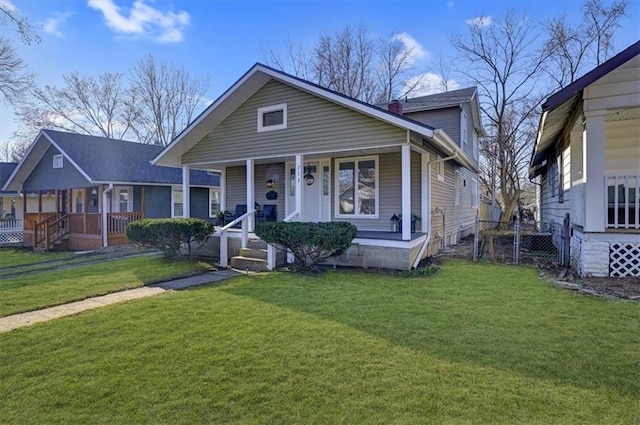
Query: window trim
[[272, 108], [475, 194], [464, 130], [456, 187], [211, 190], [173, 191], [58, 161], [355, 160]]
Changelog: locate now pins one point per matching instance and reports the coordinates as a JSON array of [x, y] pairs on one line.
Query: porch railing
[[224, 236], [85, 223], [117, 222], [50, 230], [623, 202], [11, 231]]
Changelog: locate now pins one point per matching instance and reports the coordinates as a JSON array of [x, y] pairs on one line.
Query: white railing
[[12, 224], [622, 202], [11, 231], [224, 237]]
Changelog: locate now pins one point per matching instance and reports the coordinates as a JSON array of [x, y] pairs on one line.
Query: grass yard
[[475, 343], [10, 257], [48, 288]]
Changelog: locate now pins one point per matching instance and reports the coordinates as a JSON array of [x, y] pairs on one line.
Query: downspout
[[105, 233]]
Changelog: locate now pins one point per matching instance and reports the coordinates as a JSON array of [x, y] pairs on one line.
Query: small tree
[[169, 235], [310, 243]]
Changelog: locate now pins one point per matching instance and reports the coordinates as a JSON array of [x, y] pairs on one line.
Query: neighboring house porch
[[587, 158]]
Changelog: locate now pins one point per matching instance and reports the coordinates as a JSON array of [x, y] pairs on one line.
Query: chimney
[[395, 106]]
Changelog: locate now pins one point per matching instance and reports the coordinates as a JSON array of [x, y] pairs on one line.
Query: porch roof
[[6, 169], [257, 77], [102, 160], [562, 105]]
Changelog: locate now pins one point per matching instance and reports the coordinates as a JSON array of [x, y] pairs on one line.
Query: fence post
[[516, 242], [476, 239]]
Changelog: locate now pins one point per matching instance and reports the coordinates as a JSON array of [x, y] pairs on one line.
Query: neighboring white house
[[312, 154], [587, 159]]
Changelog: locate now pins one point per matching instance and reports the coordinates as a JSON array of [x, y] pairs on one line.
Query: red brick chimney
[[395, 106]]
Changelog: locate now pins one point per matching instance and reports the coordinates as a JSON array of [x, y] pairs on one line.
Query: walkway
[[16, 321]]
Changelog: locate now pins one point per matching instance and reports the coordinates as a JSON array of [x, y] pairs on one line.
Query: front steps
[[254, 257]]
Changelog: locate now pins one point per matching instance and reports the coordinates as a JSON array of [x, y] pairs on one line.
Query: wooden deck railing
[[50, 230], [85, 223], [117, 222], [623, 202]]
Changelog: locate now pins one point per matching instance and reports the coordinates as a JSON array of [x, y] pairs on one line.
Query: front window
[[79, 204], [57, 161], [214, 201], [124, 200], [176, 203], [272, 118], [357, 187]]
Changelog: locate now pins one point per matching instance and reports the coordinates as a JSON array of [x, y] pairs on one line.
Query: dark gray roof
[[438, 100], [6, 168], [110, 160]]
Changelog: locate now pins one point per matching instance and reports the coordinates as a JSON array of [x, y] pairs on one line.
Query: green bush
[[310, 243], [168, 234]]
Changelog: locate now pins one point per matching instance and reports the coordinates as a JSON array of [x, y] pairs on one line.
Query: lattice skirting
[[10, 237], [624, 259]]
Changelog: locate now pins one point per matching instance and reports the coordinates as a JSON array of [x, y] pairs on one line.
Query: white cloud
[[143, 20], [429, 83], [450, 4], [479, 21], [52, 24], [411, 45], [8, 6]]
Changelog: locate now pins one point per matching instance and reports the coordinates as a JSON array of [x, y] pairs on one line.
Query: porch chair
[[268, 213]]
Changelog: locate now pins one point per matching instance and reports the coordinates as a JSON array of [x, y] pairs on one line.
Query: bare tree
[[14, 79], [503, 61], [8, 13], [584, 45], [353, 62], [88, 105], [167, 99]]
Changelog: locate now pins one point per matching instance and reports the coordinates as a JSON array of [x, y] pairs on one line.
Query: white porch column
[[223, 189], [186, 195], [406, 192], [250, 194], [425, 213], [299, 165], [594, 171]]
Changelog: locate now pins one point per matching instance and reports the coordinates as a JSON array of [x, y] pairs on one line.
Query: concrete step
[[246, 263], [253, 253], [256, 244]]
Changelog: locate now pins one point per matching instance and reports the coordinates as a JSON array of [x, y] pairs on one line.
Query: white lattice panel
[[10, 237], [624, 260]]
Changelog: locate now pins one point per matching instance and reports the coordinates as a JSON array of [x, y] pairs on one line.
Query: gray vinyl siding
[[236, 189], [137, 198], [447, 119], [313, 125], [45, 177], [199, 203], [551, 209]]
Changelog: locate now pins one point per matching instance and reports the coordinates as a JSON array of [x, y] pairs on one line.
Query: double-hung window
[[357, 189], [177, 202], [214, 201]]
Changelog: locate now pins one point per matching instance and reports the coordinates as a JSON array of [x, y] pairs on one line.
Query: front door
[[316, 178]]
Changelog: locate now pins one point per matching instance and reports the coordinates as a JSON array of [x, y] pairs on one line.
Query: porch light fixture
[[271, 184], [94, 191], [394, 223]]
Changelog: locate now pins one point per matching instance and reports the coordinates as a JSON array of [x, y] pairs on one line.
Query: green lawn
[[10, 257], [475, 343], [48, 288]]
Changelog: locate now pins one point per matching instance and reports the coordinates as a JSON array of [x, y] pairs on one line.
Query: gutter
[[105, 232]]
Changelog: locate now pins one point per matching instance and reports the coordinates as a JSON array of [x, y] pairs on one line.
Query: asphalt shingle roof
[[111, 160], [439, 100], [6, 168]]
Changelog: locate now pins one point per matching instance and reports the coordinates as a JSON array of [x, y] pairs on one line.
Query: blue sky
[[222, 39]]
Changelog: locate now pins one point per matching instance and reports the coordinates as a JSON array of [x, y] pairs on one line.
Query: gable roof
[[438, 100], [560, 106], [254, 79], [102, 160], [6, 168]]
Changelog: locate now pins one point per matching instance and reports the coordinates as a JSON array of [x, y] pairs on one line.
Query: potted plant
[[219, 216]]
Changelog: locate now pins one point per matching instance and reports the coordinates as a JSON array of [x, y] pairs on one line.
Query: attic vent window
[[57, 161], [272, 118]]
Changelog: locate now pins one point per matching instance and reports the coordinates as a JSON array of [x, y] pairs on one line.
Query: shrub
[[168, 234], [310, 243]]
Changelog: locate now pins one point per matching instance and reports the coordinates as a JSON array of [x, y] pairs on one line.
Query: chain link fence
[[545, 244]]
